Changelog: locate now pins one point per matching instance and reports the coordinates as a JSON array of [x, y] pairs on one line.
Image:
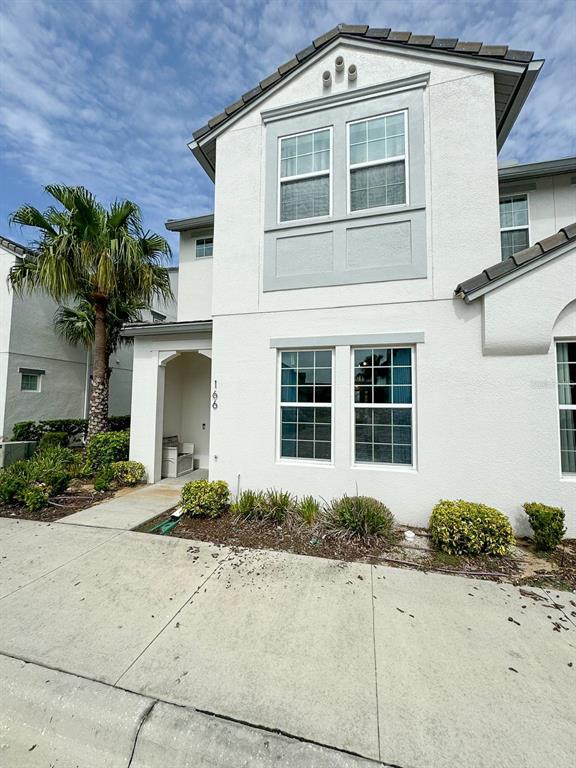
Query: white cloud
[[107, 93]]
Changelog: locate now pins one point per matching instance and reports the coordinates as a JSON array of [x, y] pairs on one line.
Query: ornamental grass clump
[[359, 516], [249, 505], [34, 481], [205, 498], [547, 524], [308, 509], [465, 528]]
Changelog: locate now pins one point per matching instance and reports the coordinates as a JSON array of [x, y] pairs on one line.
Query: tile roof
[[13, 246], [382, 35], [508, 267]]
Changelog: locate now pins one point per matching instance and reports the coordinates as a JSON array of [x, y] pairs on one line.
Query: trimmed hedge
[[106, 448], [33, 430], [465, 528], [547, 524], [201, 497], [50, 439], [128, 472]]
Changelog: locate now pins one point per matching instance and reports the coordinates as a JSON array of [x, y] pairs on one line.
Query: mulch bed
[[229, 531], [72, 500], [297, 539]]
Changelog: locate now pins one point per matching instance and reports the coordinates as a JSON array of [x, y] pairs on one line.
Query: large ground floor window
[[566, 364], [306, 405], [383, 406]]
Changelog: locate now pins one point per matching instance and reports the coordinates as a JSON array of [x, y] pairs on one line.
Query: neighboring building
[[331, 338], [41, 375]]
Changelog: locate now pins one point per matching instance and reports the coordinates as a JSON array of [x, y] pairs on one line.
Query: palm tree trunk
[[98, 415]]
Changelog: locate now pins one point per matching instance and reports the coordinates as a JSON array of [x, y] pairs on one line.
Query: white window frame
[[570, 476], [280, 404], [372, 163], [371, 465], [38, 382], [203, 241], [303, 176], [503, 198]]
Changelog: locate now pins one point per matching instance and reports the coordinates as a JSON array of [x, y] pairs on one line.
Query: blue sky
[[106, 93]]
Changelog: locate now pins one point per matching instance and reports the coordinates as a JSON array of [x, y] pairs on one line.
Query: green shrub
[[55, 467], [13, 481], [104, 479], [361, 516], [34, 497], [118, 423], [51, 439], [106, 448], [465, 528], [128, 472], [249, 505], [308, 509], [201, 497], [26, 430], [33, 430], [547, 524]]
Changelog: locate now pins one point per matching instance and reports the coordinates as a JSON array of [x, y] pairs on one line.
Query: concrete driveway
[[349, 662]]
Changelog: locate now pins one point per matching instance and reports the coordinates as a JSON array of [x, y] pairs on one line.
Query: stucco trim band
[[352, 340]]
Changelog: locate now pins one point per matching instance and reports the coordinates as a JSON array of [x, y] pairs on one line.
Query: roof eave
[[517, 102], [193, 327]]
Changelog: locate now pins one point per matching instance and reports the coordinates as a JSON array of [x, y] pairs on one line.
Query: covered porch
[[171, 397]]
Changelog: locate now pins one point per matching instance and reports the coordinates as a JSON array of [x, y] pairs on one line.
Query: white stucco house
[[374, 306], [41, 375]]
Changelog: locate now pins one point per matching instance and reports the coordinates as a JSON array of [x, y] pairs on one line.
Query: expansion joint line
[[375, 660], [171, 619]]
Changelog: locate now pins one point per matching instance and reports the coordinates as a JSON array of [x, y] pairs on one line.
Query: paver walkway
[[416, 670], [131, 510]]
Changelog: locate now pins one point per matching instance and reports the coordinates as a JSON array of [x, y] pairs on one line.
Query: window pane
[[305, 430], [306, 153], [377, 139], [383, 434], [512, 241], [514, 211], [378, 186], [305, 199], [566, 355], [29, 382]]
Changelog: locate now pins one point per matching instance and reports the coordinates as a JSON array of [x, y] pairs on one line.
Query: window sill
[[408, 469], [316, 463], [568, 477], [365, 214]]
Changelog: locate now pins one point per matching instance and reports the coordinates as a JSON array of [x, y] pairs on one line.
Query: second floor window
[[204, 247], [305, 175], [377, 155], [514, 235]]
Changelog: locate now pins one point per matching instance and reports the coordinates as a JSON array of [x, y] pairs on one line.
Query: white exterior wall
[[195, 284], [478, 417]]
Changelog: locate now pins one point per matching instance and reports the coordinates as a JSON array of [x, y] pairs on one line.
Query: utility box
[[15, 451]]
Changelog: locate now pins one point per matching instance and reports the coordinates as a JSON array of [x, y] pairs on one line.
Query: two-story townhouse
[[361, 313], [42, 376]]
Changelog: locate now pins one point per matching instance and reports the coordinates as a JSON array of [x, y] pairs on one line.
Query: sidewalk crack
[[143, 719]]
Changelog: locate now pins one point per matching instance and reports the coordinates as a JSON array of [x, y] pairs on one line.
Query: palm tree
[[95, 257], [77, 324]]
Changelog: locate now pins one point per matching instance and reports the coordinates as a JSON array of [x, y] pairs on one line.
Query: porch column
[[147, 419]]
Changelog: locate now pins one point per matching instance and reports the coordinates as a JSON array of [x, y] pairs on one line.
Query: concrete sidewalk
[[412, 669], [131, 510]]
